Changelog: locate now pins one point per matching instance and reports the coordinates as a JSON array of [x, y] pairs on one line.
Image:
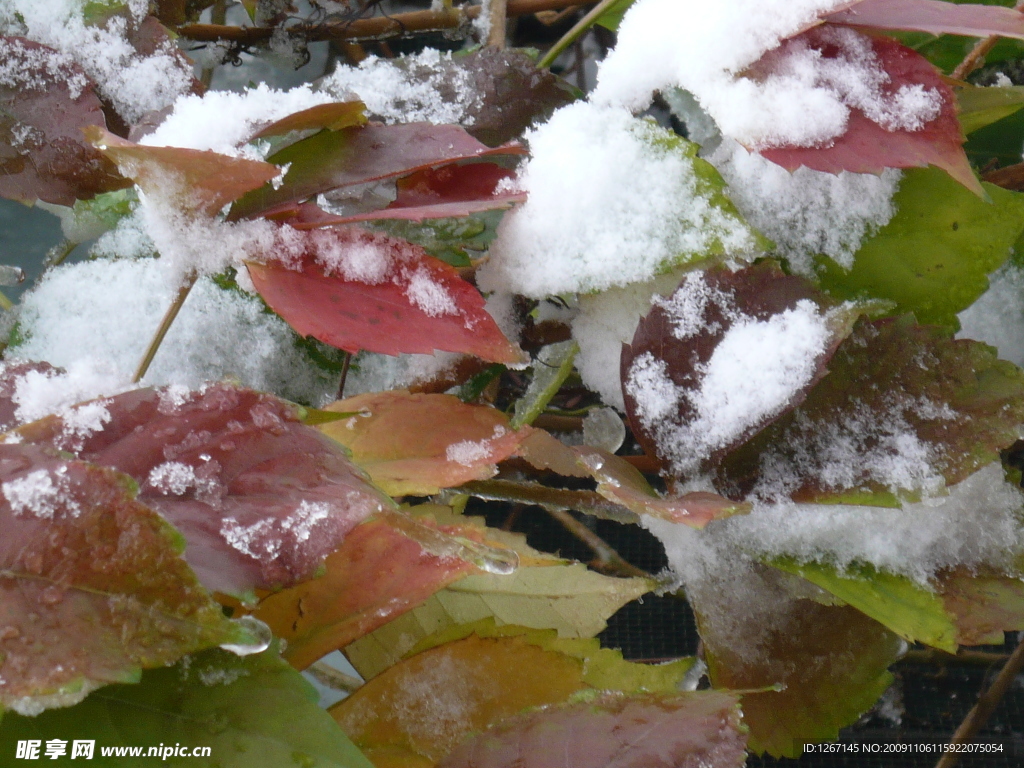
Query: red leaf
[[333, 159], [92, 583], [938, 18], [42, 152], [378, 573], [867, 147], [261, 498], [453, 190], [200, 179], [356, 290]]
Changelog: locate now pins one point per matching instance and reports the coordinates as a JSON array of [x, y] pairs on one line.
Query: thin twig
[[497, 11], [587, 502], [164, 327], [976, 57], [333, 678], [374, 28], [987, 703], [570, 37], [608, 560], [344, 375]]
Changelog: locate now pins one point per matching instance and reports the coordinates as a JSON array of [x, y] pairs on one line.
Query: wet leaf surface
[[934, 17], [93, 587], [261, 498], [700, 728], [45, 103]]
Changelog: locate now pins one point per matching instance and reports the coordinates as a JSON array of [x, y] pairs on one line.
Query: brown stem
[[333, 678], [587, 502], [987, 703], [497, 11], [344, 375], [976, 57], [367, 29], [608, 561], [165, 326]]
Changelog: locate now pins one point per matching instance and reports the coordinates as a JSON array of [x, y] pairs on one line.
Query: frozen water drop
[[260, 633], [603, 428]]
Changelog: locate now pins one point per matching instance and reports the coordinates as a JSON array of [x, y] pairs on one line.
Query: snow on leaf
[[360, 154], [545, 592], [472, 677], [201, 180], [621, 482], [904, 411], [434, 193], [983, 602], [661, 731], [724, 356], [419, 443], [333, 116], [251, 712], [914, 613], [829, 663], [93, 587], [378, 573], [261, 498], [358, 290], [933, 258], [882, 138], [934, 17], [45, 101]]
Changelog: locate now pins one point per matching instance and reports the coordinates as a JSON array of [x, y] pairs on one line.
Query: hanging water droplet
[[260, 633], [603, 428]]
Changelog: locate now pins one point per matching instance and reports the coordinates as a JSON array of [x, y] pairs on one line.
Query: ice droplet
[[603, 428], [260, 632]]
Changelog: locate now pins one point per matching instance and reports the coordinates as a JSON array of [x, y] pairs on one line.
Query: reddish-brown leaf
[[829, 663], [261, 498], [45, 102], [667, 368], [358, 290], [93, 587], [417, 444], [200, 180], [933, 16], [333, 117], [333, 159], [435, 193], [867, 147], [378, 573], [983, 604], [655, 731]]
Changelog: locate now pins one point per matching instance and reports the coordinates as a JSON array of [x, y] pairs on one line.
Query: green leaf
[[455, 241], [999, 142], [543, 593], [252, 712], [914, 613], [933, 258], [983, 106], [611, 18], [550, 370], [904, 411]]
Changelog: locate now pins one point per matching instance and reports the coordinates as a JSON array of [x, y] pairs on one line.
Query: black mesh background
[[932, 698]]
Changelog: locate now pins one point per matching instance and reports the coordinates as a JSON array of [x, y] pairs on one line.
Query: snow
[[795, 97], [34, 493], [807, 212], [424, 87], [605, 322], [755, 370], [133, 83], [430, 296], [470, 453], [610, 203], [96, 319], [997, 317]]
